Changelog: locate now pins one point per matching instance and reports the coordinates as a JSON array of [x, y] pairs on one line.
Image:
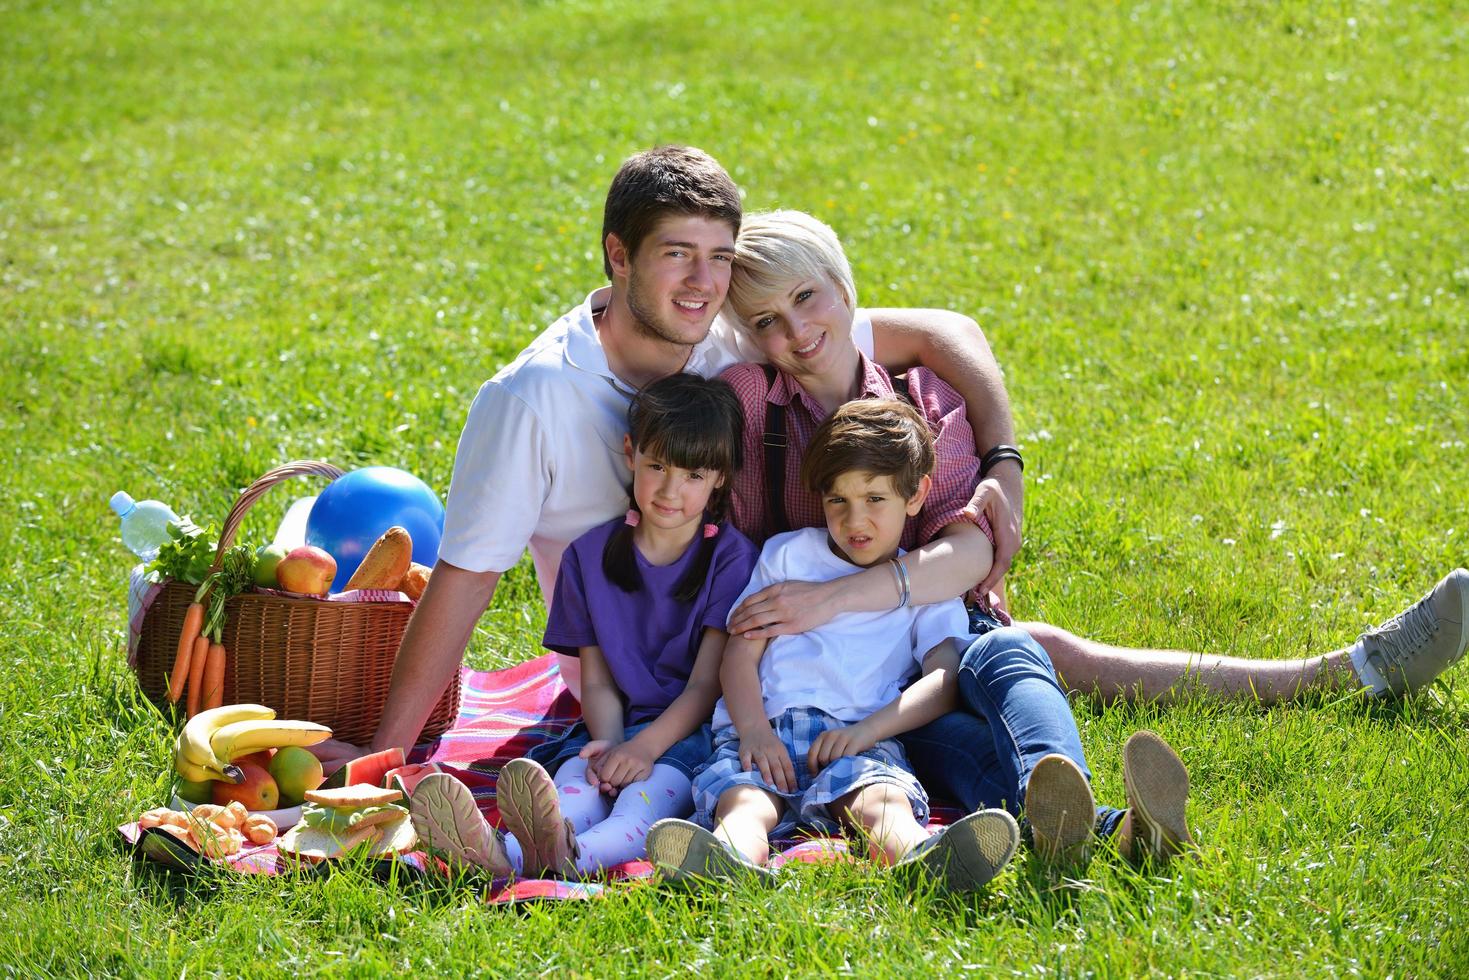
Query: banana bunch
[[213, 739]]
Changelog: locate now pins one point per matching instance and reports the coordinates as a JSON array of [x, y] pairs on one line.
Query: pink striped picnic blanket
[[502, 714]]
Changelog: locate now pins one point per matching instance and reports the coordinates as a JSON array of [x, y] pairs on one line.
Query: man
[[539, 461]]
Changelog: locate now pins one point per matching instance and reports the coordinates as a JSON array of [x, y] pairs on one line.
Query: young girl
[[642, 601]]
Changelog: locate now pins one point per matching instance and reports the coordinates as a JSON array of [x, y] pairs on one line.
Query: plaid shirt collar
[[875, 384]]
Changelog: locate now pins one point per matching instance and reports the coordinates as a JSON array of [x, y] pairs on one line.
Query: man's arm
[[432, 649], [952, 346]]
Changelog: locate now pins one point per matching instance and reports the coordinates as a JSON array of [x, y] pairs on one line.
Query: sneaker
[[685, 853], [450, 826], [1408, 651], [1157, 797], [966, 855], [531, 810], [1060, 809]]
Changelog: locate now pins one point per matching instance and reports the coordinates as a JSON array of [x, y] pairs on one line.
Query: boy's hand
[[767, 752], [621, 765], [834, 743]]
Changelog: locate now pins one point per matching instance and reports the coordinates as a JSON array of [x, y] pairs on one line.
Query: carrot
[[213, 695], [196, 673], [193, 622]]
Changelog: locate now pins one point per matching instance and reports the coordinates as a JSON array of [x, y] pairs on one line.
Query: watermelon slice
[[406, 778], [370, 769]]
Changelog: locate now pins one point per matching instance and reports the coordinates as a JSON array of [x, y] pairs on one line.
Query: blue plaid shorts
[[798, 729]]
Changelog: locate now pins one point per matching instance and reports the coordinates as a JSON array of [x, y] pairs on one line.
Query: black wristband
[[998, 455]]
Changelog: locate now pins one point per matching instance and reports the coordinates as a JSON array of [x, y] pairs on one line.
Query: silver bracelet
[[905, 591]]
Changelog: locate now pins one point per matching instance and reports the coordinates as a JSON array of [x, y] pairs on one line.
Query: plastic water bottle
[[144, 524]]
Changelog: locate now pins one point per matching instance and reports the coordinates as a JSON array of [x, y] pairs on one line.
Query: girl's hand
[[767, 752], [834, 743], [784, 609], [593, 752], [622, 765]]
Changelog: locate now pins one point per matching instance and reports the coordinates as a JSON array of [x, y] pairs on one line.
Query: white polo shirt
[[540, 460], [854, 664]]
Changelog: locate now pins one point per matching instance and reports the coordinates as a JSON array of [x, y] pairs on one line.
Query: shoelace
[[1399, 638]]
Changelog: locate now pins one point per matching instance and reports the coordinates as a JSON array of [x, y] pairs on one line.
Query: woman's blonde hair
[[777, 248]]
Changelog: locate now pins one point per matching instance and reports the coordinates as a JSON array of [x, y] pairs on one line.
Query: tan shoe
[[531, 811], [450, 826], [1155, 827], [686, 854], [1061, 811], [966, 855]]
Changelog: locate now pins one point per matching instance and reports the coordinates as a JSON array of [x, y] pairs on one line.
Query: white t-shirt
[[540, 460], [856, 663]]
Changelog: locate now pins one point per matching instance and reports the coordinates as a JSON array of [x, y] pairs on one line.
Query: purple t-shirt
[[649, 639]]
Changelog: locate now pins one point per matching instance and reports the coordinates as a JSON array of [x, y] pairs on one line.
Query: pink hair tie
[[710, 530], [632, 518]]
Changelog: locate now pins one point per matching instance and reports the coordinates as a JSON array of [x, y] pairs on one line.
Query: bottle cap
[[121, 503]]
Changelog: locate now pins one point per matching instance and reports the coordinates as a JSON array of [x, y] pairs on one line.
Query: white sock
[[514, 854], [666, 792], [1366, 673]]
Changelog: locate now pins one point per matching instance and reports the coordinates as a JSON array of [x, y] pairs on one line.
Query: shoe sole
[[1157, 791], [685, 853], [450, 826], [531, 810], [1061, 810], [969, 854]]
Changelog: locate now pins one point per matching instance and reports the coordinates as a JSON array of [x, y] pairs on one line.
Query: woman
[[792, 293]]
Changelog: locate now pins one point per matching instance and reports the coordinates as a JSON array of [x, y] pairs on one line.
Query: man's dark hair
[[669, 180], [881, 436]]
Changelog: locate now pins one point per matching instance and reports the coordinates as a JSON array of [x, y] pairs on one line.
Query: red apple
[[257, 792], [260, 758], [306, 569]]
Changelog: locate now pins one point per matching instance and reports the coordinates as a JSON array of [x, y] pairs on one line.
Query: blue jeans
[[1012, 714]]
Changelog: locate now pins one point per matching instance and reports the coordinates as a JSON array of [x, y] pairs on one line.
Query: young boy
[[805, 730]]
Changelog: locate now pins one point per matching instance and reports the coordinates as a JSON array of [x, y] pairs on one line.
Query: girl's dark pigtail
[[619, 563], [693, 579]]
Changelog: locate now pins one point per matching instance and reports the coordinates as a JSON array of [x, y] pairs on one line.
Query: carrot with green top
[[193, 623]]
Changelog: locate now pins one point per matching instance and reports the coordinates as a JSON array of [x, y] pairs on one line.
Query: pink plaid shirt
[[956, 469]]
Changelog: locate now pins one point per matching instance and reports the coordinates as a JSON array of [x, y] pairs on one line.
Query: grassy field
[[1220, 250]]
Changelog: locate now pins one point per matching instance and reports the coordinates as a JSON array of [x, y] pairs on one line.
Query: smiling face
[[865, 515], [670, 497], [804, 329], [677, 280]]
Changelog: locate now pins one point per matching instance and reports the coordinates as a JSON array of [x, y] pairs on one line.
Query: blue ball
[[357, 507]]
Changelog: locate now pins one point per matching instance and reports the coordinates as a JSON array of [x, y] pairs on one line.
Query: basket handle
[[256, 490]]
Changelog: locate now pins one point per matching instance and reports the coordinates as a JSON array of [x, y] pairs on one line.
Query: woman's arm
[[945, 568], [953, 346]]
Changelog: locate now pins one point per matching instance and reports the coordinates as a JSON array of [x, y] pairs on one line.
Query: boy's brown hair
[[881, 436], [668, 180]]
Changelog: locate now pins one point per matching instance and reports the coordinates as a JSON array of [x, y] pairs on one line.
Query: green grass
[[1220, 250]]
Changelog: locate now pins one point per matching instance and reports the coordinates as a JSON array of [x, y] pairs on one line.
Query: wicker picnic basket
[[311, 660]]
